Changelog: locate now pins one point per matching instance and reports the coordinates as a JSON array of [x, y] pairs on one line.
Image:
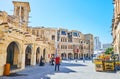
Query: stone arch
[[80, 55], [44, 53], [75, 55], [28, 54], [38, 55], [13, 55], [63, 56], [70, 56]]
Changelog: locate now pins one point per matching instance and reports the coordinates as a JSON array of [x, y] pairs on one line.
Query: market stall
[[99, 65], [107, 62], [109, 65]]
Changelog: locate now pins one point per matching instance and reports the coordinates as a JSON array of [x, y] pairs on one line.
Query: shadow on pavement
[[65, 70], [72, 64], [16, 74], [41, 72]]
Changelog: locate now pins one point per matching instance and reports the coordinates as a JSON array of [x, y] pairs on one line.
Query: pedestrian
[[57, 62], [52, 61], [41, 62]]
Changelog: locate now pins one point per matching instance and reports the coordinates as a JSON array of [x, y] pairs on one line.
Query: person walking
[[57, 62]]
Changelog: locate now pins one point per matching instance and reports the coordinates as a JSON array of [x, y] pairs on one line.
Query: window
[[81, 42], [69, 46], [65, 46], [78, 35], [61, 39], [63, 33], [65, 40], [37, 32], [33, 32], [17, 11], [22, 13], [62, 47], [53, 37], [75, 34]]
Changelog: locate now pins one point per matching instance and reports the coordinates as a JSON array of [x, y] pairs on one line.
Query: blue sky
[[87, 16]]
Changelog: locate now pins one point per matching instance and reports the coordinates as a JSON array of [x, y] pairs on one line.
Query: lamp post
[[56, 50], [56, 45]]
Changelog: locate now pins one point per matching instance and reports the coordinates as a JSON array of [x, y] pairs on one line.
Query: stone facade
[[116, 27], [74, 45], [45, 37], [21, 45], [90, 41]]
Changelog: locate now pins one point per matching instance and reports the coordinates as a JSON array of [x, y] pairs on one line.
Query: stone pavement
[[68, 70]]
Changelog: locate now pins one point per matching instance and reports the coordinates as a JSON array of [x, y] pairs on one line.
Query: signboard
[[48, 55]]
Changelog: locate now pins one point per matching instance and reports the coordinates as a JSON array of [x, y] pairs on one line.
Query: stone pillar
[[46, 55], [20, 13], [66, 55], [2, 63], [73, 55], [41, 53], [3, 57], [33, 57], [23, 48], [19, 60], [23, 60], [78, 55]]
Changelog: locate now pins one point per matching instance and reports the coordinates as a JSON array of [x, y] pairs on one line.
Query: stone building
[[20, 45], [45, 37], [74, 45], [116, 26], [90, 44]]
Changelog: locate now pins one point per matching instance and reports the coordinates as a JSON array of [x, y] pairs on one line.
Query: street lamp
[[56, 45]]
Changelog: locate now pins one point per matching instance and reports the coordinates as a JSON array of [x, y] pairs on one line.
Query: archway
[[75, 55], [69, 55], [13, 55], [63, 56], [80, 55], [28, 53], [38, 55], [44, 53]]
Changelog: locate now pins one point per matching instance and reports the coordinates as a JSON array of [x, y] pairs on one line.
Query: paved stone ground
[[68, 70]]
